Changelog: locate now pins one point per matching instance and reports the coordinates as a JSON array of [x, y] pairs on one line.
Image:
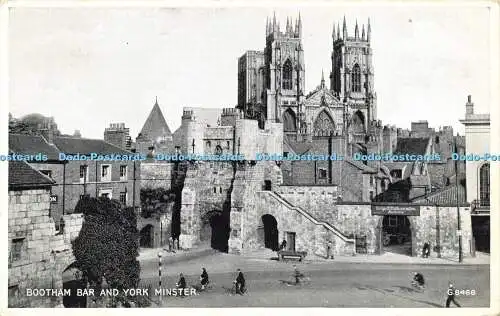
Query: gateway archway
[[215, 230], [73, 280], [396, 234], [147, 236]]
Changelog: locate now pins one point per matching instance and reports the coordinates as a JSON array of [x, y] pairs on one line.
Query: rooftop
[[22, 175]]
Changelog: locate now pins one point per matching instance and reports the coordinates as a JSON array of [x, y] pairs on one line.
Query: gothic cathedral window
[[356, 79], [287, 75]]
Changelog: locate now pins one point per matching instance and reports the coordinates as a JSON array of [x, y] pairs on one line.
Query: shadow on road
[[401, 288]]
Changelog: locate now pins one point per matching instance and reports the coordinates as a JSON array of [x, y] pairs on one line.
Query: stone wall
[[156, 175], [207, 188], [44, 253]]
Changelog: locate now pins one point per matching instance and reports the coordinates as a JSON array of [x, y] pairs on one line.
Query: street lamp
[[159, 267]]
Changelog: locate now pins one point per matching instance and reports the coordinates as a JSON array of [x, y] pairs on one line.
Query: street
[[332, 284]]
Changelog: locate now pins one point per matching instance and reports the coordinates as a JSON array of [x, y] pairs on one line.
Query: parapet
[[188, 115]]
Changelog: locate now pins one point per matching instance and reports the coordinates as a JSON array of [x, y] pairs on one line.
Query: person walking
[[181, 284], [240, 283], [297, 274], [204, 278], [451, 296]]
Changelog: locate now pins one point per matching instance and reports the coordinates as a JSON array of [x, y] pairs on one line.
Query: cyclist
[[418, 280]]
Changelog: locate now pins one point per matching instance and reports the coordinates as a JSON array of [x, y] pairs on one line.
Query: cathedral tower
[[284, 70], [352, 73]]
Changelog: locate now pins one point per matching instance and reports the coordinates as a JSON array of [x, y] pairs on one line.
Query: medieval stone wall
[[44, 254], [156, 175]]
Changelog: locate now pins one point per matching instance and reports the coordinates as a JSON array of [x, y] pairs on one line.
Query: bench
[[286, 254]]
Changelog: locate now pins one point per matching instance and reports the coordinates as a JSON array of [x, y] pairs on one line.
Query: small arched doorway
[[72, 279], [397, 234], [147, 236], [270, 232]]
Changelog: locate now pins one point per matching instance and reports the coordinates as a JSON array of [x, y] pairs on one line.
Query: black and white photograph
[[249, 154]]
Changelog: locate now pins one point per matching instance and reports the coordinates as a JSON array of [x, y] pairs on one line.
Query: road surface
[[332, 284]]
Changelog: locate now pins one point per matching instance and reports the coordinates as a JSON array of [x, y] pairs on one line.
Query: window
[[437, 139], [372, 182], [48, 173], [396, 173], [287, 75], [393, 221], [105, 173], [356, 78], [16, 249], [228, 143], [107, 193], [123, 173], [484, 185], [84, 173], [322, 173], [371, 195], [215, 189], [220, 189], [218, 150], [123, 198]]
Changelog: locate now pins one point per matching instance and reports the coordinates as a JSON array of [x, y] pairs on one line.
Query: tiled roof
[[155, 125], [445, 196], [361, 166], [412, 146], [70, 145], [31, 145], [23, 175]]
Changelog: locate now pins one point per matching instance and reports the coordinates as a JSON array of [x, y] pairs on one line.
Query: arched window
[[218, 150], [289, 121], [356, 79], [358, 122], [287, 75], [324, 125], [484, 185]]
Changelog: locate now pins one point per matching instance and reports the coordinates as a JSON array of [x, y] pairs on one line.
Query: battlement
[[230, 112], [274, 31], [339, 35], [116, 127], [188, 115], [390, 128]]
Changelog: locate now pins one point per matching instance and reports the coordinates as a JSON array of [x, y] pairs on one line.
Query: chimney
[[469, 106], [47, 131]]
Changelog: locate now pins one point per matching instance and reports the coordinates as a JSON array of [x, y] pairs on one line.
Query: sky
[[89, 67]]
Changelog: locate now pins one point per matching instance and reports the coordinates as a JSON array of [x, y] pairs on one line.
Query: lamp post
[[159, 268]]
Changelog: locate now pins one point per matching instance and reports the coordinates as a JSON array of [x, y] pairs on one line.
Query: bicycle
[[232, 290], [418, 286], [303, 280]]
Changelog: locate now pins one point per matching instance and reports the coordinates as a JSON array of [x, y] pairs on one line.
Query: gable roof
[[22, 175], [32, 145], [155, 125], [71, 145], [316, 96], [412, 146]]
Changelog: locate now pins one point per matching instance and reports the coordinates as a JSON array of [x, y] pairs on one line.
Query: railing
[[309, 216]]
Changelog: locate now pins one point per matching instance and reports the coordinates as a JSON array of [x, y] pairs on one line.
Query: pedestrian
[[181, 284], [204, 278], [170, 244], [426, 250], [240, 283], [297, 274], [283, 245], [329, 250], [451, 296]]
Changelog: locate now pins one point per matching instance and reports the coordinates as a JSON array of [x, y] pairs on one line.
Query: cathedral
[[320, 207]]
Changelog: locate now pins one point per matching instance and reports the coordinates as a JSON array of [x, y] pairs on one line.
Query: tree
[[108, 244]]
